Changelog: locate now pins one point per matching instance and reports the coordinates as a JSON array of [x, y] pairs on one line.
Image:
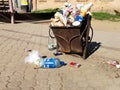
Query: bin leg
[[85, 51], [86, 43]]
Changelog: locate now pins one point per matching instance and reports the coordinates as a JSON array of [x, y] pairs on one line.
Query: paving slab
[[94, 74]]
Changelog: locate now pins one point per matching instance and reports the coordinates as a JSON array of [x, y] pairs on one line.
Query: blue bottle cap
[[62, 63]]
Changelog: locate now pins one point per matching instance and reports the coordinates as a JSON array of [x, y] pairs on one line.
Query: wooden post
[[11, 11]]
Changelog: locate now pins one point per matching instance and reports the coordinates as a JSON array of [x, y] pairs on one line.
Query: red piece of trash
[[74, 64]]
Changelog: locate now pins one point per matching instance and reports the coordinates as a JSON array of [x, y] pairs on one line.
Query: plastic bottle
[[51, 44], [50, 63]]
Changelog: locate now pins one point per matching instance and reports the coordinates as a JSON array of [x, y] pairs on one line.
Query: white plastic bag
[[32, 56]]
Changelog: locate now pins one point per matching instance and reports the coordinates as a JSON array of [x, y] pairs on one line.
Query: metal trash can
[[73, 39]]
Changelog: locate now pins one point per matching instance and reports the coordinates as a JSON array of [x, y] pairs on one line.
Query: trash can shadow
[[92, 47]]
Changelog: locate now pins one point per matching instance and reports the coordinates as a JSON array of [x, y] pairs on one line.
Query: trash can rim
[[64, 27]]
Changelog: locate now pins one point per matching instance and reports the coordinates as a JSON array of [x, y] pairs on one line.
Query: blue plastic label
[[49, 63]]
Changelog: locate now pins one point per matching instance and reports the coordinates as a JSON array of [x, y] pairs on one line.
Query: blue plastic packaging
[[50, 63], [78, 18], [57, 53]]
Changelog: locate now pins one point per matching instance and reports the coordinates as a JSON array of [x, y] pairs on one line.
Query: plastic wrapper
[[33, 55]]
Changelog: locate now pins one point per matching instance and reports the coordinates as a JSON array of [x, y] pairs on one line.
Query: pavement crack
[[3, 69], [48, 83], [24, 33], [19, 85], [32, 88], [35, 78], [111, 48], [61, 79], [8, 81], [24, 73], [13, 73], [49, 88]]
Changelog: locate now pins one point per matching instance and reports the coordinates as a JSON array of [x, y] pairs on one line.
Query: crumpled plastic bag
[[33, 55]]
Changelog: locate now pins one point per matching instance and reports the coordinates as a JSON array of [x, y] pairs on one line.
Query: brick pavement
[[16, 39]]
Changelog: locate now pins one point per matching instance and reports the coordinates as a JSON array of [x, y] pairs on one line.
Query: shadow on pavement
[[92, 47], [27, 17]]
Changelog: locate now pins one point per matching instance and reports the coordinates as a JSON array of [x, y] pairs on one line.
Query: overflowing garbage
[[71, 15], [40, 62]]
